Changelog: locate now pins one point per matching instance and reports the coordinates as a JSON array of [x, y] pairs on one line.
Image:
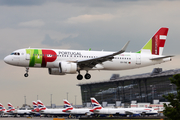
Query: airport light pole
[[25, 100], [75, 100], [51, 100]]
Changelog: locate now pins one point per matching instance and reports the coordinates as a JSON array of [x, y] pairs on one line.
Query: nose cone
[[8, 59]]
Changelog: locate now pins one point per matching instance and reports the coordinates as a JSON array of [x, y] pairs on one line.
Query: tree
[[172, 110]]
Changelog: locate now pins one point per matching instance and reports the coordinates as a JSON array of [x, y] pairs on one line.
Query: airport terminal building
[[141, 88]]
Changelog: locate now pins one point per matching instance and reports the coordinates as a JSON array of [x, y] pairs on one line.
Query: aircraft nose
[[7, 59]]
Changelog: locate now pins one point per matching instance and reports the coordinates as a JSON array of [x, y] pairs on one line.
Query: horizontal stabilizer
[[162, 57]]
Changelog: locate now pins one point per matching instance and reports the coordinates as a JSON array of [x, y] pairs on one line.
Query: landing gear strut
[[26, 74], [79, 76]]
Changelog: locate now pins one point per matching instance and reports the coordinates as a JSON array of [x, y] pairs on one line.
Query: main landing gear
[[80, 77], [26, 74]]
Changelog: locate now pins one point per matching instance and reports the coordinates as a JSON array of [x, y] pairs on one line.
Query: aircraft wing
[[99, 60], [130, 112]]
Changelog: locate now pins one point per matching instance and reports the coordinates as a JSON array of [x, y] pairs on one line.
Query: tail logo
[[157, 42]]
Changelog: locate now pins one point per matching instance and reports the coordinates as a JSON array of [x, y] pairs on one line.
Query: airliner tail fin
[[41, 106], [156, 44], [95, 104], [67, 106]]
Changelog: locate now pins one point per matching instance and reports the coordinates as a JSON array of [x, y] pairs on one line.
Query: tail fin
[[10, 108], [41, 106], [2, 109], [156, 44], [67, 105], [95, 104], [35, 106]]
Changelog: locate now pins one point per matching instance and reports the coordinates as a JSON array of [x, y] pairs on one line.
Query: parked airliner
[[21, 111], [52, 112], [98, 109], [61, 62], [77, 112]]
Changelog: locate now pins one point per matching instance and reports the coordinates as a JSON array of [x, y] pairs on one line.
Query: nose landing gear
[[26, 74]]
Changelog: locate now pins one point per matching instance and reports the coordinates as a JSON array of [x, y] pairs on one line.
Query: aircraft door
[[138, 59]]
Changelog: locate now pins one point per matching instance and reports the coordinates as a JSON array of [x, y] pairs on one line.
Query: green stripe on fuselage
[[35, 56]]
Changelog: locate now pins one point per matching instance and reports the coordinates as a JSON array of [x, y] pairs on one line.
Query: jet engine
[[54, 71], [64, 68], [67, 67]]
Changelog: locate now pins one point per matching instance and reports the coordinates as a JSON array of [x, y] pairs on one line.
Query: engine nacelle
[[67, 67], [54, 71]]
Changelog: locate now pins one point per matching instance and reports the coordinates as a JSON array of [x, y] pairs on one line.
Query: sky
[[78, 24]]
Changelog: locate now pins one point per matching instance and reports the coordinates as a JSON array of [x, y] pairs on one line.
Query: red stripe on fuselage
[[48, 56]]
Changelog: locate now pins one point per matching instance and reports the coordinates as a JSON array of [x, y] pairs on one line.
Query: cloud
[[22, 2], [89, 18], [33, 23]]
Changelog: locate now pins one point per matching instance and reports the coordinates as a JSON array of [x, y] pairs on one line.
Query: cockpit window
[[16, 53]]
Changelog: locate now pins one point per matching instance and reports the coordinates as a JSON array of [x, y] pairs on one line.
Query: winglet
[[125, 46], [122, 50]]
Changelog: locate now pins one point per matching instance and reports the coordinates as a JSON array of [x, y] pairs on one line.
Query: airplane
[[21, 111], [52, 112], [61, 62], [77, 112], [98, 109]]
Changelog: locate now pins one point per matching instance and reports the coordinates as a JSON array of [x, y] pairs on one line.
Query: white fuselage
[[126, 111], [122, 61], [53, 112], [81, 111]]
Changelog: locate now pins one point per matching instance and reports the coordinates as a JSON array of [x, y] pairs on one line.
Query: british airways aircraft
[[76, 112], [98, 109], [61, 62]]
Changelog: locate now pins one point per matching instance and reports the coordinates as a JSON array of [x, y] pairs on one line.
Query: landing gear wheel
[[79, 77], [87, 76], [26, 75]]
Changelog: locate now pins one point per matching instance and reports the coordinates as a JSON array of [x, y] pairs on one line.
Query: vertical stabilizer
[[95, 104], [2, 109], [35, 106], [67, 106], [10, 108], [41, 106], [156, 44]]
